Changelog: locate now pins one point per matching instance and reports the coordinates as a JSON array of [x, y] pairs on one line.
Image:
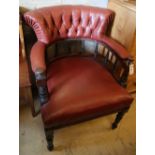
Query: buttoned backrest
[[67, 21]]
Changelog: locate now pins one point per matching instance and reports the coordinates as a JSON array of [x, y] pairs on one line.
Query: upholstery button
[[79, 20], [71, 20], [58, 32], [90, 31]]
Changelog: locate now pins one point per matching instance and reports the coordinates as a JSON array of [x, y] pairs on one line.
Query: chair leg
[[118, 118], [49, 138]]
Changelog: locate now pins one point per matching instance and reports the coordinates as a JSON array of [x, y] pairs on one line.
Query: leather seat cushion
[[79, 87]]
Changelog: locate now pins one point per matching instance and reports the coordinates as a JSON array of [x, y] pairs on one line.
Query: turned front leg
[[118, 118], [49, 138]]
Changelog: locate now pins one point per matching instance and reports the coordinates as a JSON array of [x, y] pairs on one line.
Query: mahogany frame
[[118, 67]]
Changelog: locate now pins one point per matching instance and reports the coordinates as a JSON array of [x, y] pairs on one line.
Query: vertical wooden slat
[[114, 66], [96, 50], [106, 57]]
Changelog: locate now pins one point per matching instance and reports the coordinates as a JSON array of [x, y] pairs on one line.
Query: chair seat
[[80, 88]]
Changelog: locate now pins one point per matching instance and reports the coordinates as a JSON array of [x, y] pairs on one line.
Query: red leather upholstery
[[118, 48], [58, 22], [79, 87], [37, 56], [38, 53]]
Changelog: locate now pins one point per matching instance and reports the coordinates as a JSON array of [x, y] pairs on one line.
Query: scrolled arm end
[[37, 57]]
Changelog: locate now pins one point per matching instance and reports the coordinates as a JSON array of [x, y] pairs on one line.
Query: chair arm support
[[40, 76], [117, 60], [117, 48], [37, 56], [39, 68]]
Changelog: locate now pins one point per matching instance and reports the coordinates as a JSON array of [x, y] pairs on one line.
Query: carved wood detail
[[42, 85]]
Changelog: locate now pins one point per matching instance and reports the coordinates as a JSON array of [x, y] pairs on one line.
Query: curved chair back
[[60, 22]]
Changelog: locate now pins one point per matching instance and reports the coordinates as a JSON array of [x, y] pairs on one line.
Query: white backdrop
[[33, 4]]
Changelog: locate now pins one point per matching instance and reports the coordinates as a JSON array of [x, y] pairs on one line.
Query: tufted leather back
[[67, 21]]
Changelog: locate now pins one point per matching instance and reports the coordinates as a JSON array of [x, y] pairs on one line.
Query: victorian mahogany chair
[[74, 85]]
